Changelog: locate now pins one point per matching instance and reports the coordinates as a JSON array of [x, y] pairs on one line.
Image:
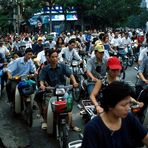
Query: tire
[[50, 120], [122, 74], [17, 104], [63, 137], [131, 61], [29, 114], [82, 95], [76, 94], [125, 63]]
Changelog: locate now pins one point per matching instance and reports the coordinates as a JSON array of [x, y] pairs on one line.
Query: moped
[[58, 106], [24, 98]]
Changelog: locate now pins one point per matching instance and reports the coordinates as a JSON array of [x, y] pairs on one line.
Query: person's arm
[[89, 67], [60, 55], [42, 85], [12, 66], [90, 75], [74, 82], [6, 51], [141, 104], [94, 94], [141, 56], [38, 59], [141, 76], [43, 78], [76, 55], [145, 140], [9, 75], [142, 69], [32, 67]]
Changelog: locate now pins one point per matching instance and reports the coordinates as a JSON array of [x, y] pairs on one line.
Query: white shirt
[[115, 42], [69, 54], [52, 44], [4, 50], [143, 54], [126, 41], [41, 57]]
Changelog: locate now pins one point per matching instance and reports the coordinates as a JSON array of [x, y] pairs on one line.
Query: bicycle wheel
[[122, 74], [63, 136], [76, 94], [131, 61], [124, 63], [29, 114]]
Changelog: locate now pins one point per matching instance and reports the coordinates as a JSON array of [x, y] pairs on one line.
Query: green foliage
[[140, 20], [98, 13], [107, 12], [30, 7]]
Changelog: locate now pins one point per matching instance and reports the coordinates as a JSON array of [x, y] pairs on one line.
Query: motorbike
[[24, 97], [59, 102]]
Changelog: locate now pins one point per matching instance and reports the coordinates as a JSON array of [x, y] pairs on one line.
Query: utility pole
[[14, 15], [18, 17], [50, 4]]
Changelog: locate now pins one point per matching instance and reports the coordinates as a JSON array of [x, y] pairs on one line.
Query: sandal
[[44, 126], [76, 129]]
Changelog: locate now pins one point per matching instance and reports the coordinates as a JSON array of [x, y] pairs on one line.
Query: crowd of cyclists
[[100, 55]]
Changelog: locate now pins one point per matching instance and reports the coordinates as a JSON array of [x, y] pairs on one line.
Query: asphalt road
[[15, 134]]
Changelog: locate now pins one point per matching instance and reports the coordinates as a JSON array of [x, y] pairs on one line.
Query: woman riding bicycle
[[113, 71]]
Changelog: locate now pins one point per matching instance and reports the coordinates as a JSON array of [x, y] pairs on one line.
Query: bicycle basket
[[61, 106]]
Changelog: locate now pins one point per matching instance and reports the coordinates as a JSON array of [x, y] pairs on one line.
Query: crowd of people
[[45, 55]]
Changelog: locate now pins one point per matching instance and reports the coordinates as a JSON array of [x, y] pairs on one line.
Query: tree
[[104, 13]]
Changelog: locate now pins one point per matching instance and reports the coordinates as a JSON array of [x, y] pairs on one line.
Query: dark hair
[[28, 50], [114, 93], [104, 37], [46, 52], [57, 42], [49, 52], [72, 41]]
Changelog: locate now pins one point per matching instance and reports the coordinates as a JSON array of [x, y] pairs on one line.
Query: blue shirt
[[55, 76], [19, 67]]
